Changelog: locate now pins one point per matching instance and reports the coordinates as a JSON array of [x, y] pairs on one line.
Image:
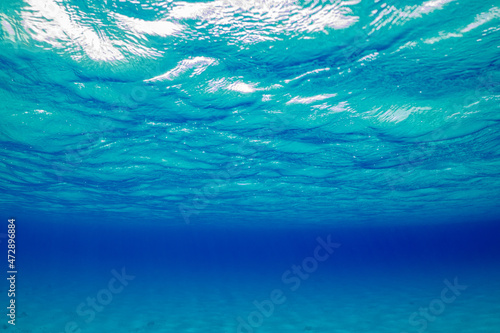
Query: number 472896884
[[12, 245]]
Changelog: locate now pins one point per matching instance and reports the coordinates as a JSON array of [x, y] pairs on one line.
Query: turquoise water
[[206, 146], [280, 111]]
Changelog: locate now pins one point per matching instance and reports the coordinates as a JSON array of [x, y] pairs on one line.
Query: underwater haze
[[238, 166]]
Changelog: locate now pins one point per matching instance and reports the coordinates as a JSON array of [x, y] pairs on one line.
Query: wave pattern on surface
[[280, 111]]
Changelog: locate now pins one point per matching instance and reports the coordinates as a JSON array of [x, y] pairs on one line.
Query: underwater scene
[[265, 166]]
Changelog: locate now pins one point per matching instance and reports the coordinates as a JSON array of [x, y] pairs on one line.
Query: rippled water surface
[[272, 112]]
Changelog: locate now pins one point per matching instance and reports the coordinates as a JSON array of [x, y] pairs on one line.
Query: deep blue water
[[254, 166]]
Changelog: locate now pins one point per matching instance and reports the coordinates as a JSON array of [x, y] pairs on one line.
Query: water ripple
[[250, 112]]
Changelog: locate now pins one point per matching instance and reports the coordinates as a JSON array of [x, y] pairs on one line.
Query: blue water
[[251, 166]]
